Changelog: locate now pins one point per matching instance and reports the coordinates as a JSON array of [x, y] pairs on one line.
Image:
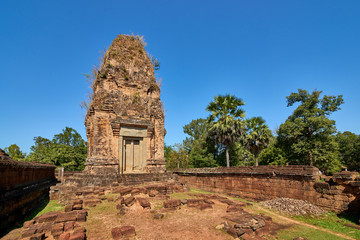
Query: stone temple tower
[[125, 120]]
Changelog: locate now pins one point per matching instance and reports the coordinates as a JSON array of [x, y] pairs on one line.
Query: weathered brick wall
[[23, 188], [104, 180], [267, 182]]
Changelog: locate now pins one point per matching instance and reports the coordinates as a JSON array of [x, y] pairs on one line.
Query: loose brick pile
[[60, 225]]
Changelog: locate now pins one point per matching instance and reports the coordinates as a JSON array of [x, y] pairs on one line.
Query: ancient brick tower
[[125, 120]]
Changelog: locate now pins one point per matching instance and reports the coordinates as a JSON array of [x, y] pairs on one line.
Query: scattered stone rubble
[[62, 225], [293, 207], [68, 224]]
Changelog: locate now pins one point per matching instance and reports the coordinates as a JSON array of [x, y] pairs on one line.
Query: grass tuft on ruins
[[125, 119]]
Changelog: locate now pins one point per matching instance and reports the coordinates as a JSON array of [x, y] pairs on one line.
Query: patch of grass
[[157, 204], [51, 206], [180, 195], [104, 207], [242, 200], [200, 191], [302, 231], [331, 222]]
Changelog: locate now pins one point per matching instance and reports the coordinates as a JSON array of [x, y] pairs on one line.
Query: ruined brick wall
[[23, 188], [107, 180], [126, 103], [338, 194]]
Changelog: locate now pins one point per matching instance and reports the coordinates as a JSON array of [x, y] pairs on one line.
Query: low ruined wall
[[338, 194], [23, 188], [83, 179]]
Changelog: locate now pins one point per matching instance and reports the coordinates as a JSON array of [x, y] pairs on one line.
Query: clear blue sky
[[260, 51]]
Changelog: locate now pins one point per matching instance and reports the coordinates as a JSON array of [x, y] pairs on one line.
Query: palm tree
[[226, 115], [258, 136]]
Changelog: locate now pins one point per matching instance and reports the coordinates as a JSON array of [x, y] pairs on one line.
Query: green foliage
[[67, 150], [200, 156], [103, 74], [226, 121], [176, 156], [306, 136], [273, 155], [257, 136], [15, 153], [51, 206], [200, 149], [240, 156], [349, 148], [155, 62]]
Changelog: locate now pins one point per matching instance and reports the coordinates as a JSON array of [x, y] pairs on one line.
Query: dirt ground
[[184, 223]]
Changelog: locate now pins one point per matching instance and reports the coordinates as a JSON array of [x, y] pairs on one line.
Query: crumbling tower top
[[125, 120]]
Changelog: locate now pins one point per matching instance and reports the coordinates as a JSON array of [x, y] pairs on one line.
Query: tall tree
[[67, 150], [306, 136], [349, 147], [41, 151], [15, 153], [201, 151], [258, 136], [226, 117], [176, 156]]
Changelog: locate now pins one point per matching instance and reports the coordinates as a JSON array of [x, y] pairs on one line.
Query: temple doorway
[[133, 155]]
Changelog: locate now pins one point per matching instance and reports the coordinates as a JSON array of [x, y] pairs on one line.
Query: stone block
[[77, 236], [69, 226], [208, 201], [64, 236], [91, 202], [38, 236], [204, 206], [65, 217], [193, 202], [68, 208], [128, 231], [79, 229], [173, 203], [232, 232], [48, 217], [234, 208], [28, 233], [153, 193], [78, 201], [57, 229], [81, 217], [28, 224], [125, 191], [144, 203], [43, 227], [135, 192], [129, 201], [116, 233], [77, 207]]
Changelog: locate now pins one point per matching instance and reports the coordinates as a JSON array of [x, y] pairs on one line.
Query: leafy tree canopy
[[257, 137], [67, 150], [15, 153], [349, 148], [306, 136], [226, 117]]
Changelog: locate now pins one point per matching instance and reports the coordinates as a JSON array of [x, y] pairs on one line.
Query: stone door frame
[[132, 133]]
